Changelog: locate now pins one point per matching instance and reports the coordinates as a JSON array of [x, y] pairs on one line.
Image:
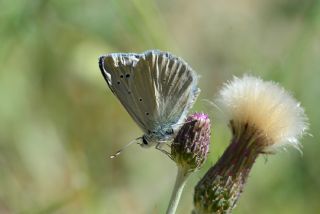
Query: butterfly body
[[156, 88]]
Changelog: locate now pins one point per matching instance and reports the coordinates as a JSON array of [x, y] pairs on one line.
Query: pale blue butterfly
[[156, 88]]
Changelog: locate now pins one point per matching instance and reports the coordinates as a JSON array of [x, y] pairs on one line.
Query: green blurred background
[[59, 122]]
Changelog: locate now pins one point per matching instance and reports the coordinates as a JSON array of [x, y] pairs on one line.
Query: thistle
[[263, 118], [189, 150]]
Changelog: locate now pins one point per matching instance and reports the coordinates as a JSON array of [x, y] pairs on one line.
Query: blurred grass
[[59, 122]]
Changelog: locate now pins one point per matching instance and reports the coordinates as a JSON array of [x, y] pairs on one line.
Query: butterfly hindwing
[[174, 83]]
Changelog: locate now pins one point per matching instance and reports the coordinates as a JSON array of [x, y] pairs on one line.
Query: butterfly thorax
[[159, 135]]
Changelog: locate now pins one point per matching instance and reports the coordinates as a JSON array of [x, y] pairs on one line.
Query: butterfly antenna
[[214, 105], [123, 148]]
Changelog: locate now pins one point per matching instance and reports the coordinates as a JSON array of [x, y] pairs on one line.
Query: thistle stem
[[181, 179]]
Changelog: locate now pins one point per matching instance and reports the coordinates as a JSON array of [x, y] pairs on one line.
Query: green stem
[[181, 179]]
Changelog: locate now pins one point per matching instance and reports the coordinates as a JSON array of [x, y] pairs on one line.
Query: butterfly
[[156, 88]]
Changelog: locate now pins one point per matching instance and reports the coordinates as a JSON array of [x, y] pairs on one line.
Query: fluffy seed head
[[250, 101]]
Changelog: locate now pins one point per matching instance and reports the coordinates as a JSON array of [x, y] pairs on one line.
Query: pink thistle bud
[[191, 145]]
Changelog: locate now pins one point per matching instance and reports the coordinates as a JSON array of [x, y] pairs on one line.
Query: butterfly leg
[[159, 146]]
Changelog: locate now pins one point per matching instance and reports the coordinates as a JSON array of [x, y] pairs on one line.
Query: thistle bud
[[263, 117], [191, 145]]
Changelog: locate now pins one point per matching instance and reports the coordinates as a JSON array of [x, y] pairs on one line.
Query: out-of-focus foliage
[[59, 122]]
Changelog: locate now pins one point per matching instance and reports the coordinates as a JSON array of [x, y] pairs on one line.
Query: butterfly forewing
[[118, 71]]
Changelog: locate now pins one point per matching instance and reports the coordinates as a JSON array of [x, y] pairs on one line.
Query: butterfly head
[[161, 135]]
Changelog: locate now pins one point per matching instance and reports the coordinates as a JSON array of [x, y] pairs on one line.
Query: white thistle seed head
[[267, 107]]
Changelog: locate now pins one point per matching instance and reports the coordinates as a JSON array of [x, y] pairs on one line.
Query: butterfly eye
[[140, 99], [147, 113], [145, 142], [127, 75]]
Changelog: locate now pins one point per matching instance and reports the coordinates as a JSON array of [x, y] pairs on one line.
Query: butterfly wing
[[174, 83], [118, 71], [155, 87]]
